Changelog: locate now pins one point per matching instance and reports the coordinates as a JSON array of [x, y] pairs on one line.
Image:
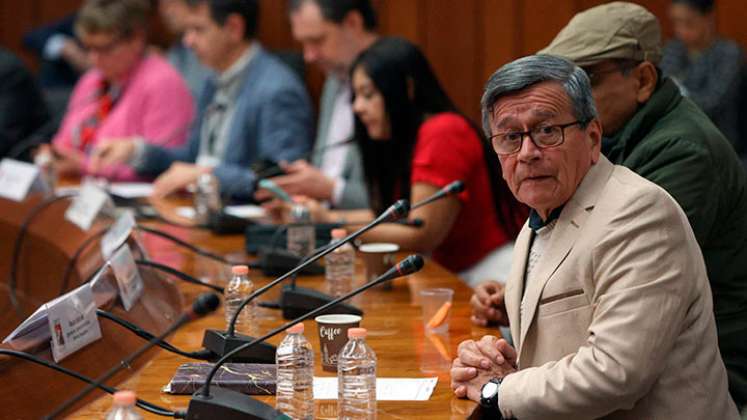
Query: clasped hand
[[478, 362]]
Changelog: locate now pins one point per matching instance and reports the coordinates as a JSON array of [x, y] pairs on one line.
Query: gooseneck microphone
[[295, 301], [221, 343], [203, 305], [226, 404], [147, 406], [455, 187]]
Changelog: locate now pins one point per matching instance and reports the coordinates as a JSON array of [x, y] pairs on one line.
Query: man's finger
[[470, 355], [508, 352], [488, 347], [463, 374]]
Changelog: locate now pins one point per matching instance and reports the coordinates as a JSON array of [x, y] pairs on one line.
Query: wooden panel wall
[[466, 40]]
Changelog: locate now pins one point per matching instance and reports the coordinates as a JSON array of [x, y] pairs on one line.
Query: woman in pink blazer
[[128, 93]]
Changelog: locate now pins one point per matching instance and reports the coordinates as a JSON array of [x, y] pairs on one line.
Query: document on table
[[387, 389], [131, 189]]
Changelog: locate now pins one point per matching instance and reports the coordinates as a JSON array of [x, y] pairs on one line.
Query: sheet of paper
[[387, 389], [131, 189], [249, 211]]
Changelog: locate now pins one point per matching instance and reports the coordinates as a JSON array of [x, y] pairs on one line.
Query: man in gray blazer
[[254, 108], [608, 298], [333, 33]]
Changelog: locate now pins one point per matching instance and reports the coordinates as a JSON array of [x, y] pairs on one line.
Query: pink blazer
[[155, 104]]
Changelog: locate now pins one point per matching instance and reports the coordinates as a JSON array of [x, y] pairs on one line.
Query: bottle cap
[[339, 233], [124, 398], [357, 333], [296, 329], [240, 270]]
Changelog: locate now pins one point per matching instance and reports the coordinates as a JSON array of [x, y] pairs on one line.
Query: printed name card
[[118, 233], [86, 206], [128, 277], [73, 323], [16, 179]]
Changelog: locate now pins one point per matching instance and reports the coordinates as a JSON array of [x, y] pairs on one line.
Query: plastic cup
[[436, 305]]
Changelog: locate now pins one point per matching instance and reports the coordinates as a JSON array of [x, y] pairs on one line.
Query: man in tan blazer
[[608, 298]]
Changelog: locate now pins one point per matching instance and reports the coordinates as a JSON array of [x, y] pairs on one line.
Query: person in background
[[652, 129], [253, 108], [22, 108], [128, 93], [63, 58], [175, 14], [608, 297], [332, 33], [413, 142], [709, 69]]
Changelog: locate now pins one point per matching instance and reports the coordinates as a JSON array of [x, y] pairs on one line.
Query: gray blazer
[[355, 194], [272, 121]]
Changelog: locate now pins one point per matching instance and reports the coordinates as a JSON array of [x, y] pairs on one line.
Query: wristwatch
[[489, 396]]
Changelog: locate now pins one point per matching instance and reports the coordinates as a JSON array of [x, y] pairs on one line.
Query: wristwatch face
[[489, 390]]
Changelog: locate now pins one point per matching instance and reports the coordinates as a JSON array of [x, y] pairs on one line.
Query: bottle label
[[73, 323]]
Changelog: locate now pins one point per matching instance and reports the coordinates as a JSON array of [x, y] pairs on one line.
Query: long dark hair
[[412, 93]]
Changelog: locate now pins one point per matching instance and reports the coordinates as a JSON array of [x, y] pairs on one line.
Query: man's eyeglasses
[[543, 136], [105, 48]]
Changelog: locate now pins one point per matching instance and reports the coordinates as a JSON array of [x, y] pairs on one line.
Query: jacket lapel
[[564, 235], [515, 282]]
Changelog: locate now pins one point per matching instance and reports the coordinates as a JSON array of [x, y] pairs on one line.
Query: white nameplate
[[73, 323], [16, 179], [86, 206], [128, 277], [117, 233]]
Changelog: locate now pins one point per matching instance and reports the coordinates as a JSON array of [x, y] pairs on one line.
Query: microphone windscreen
[[411, 264], [205, 303], [455, 187], [399, 209]]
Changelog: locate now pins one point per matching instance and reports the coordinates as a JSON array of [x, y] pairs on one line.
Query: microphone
[[147, 406], [178, 274], [226, 404], [221, 343], [295, 301], [203, 305], [455, 187], [269, 168]]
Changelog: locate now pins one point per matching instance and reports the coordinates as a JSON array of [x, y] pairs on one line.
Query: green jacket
[[672, 143]]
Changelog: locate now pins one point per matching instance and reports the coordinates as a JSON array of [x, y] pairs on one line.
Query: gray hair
[[527, 71]]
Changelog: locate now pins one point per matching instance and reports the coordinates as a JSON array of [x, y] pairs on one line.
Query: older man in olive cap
[[652, 129]]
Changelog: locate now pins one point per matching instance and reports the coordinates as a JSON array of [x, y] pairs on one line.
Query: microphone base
[[220, 343], [298, 301], [225, 404]]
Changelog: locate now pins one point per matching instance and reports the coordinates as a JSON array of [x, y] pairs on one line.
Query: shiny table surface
[[392, 317]]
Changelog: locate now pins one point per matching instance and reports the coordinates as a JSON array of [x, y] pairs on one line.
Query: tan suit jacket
[[619, 323]]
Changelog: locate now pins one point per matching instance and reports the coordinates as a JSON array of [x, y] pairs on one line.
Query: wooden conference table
[[392, 317]]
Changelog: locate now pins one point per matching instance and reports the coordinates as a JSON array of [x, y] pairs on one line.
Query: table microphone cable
[[199, 355], [147, 406], [185, 244], [22, 231]]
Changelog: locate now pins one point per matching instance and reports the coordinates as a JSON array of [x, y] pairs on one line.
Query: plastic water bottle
[[340, 266], [47, 173], [301, 234], [356, 378], [238, 289], [206, 198], [123, 407], [295, 375]]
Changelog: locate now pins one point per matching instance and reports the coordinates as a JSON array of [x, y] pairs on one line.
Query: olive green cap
[[613, 30]]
